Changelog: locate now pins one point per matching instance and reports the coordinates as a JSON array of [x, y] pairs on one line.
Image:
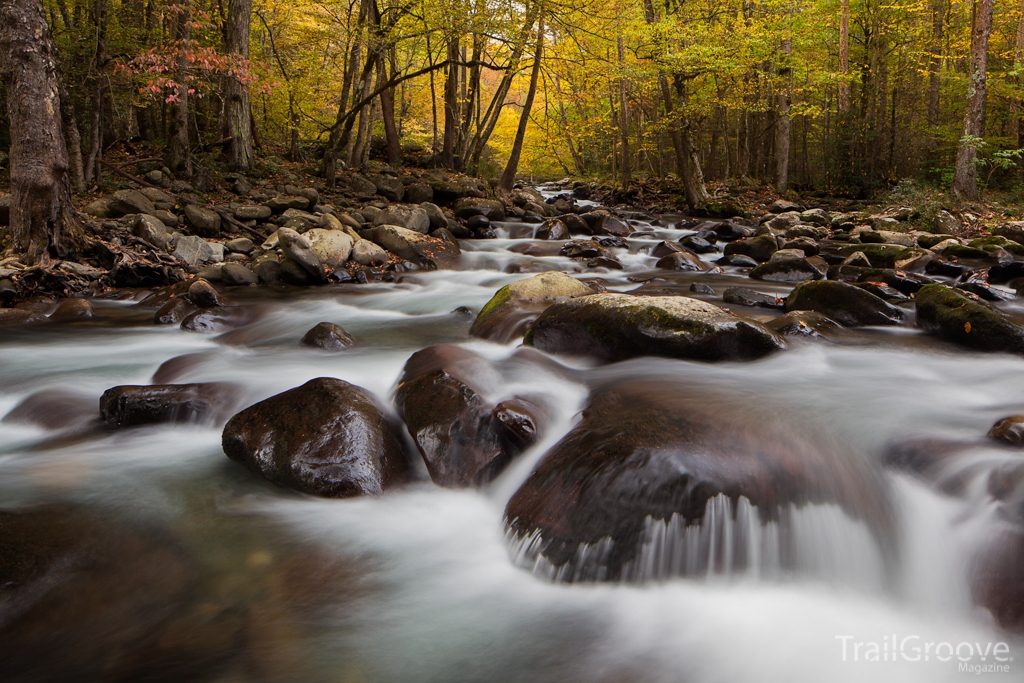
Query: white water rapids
[[452, 600]]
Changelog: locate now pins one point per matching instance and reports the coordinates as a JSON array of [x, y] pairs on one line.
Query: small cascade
[[731, 541]]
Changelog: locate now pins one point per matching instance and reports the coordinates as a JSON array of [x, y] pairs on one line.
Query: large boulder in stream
[[423, 250], [326, 437], [846, 304], [463, 438], [513, 307], [636, 489], [952, 315], [614, 327]]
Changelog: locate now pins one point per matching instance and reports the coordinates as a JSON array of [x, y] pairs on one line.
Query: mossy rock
[[929, 241], [721, 210], [845, 303], [615, 327], [950, 314], [964, 251], [515, 306], [993, 242], [880, 255]]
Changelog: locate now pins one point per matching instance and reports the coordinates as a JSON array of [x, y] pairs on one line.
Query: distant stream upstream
[[229, 578]]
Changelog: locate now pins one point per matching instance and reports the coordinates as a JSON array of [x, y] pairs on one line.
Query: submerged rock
[[326, 437], [128, 405], [92, 598], [951, 315], [618, 326], [647, 459], [1009, 430], [849, 305], [514, 306]]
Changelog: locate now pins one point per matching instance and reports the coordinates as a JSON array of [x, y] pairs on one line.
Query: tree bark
[[451, 104], [387, 114], [508, 176], [235, 120], [935, 60], [782, 126], [626, 173], [92, 173], [43, 224], [179, 154], [72, 136], [1013, 129], [844, 58], [965, 177]]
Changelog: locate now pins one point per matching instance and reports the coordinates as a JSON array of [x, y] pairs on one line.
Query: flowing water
[[422, 584]]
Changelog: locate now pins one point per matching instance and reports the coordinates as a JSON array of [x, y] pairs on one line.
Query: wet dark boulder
[[615, 498], [804, 324], [683, 260], [576, 225], [71, 309], [174, 311], [96, 599], [759, 248], [748, 297], [698, 244], [130, 405], [513, 307], [1009, 430], [329, 337], [203, 294], [326, 438], [464, 440], [786, 270], [614, 327], [957, 318], [610, 226], [848, 305], [219, 319], [553, 229], [520, 420], [1002, 273]]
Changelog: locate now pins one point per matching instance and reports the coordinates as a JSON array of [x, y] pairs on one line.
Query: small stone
[[240, 245], [237, 274], [204, 222], [366, 253], [193, 250], [1009, 430], [203, 294], [72, 309], [701, 288]]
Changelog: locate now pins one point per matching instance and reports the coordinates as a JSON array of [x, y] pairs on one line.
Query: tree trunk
[[92, 173], [451, 104], [1013, 129], [783, 124], [72, 136], [43, 224], [965, 177], [935, 61], [625, 169], [387, 114], [179, 155], [235, 120], [508, 177], [844, 58]]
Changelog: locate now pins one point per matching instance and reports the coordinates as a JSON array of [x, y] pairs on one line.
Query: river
[[421, 584]]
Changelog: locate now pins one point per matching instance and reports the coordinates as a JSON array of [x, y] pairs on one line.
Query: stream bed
[[210, 573]]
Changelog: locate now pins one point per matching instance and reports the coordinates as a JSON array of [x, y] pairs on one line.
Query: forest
[[843, 97]]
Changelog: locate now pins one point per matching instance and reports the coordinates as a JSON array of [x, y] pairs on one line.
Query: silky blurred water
[[447, 602]]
